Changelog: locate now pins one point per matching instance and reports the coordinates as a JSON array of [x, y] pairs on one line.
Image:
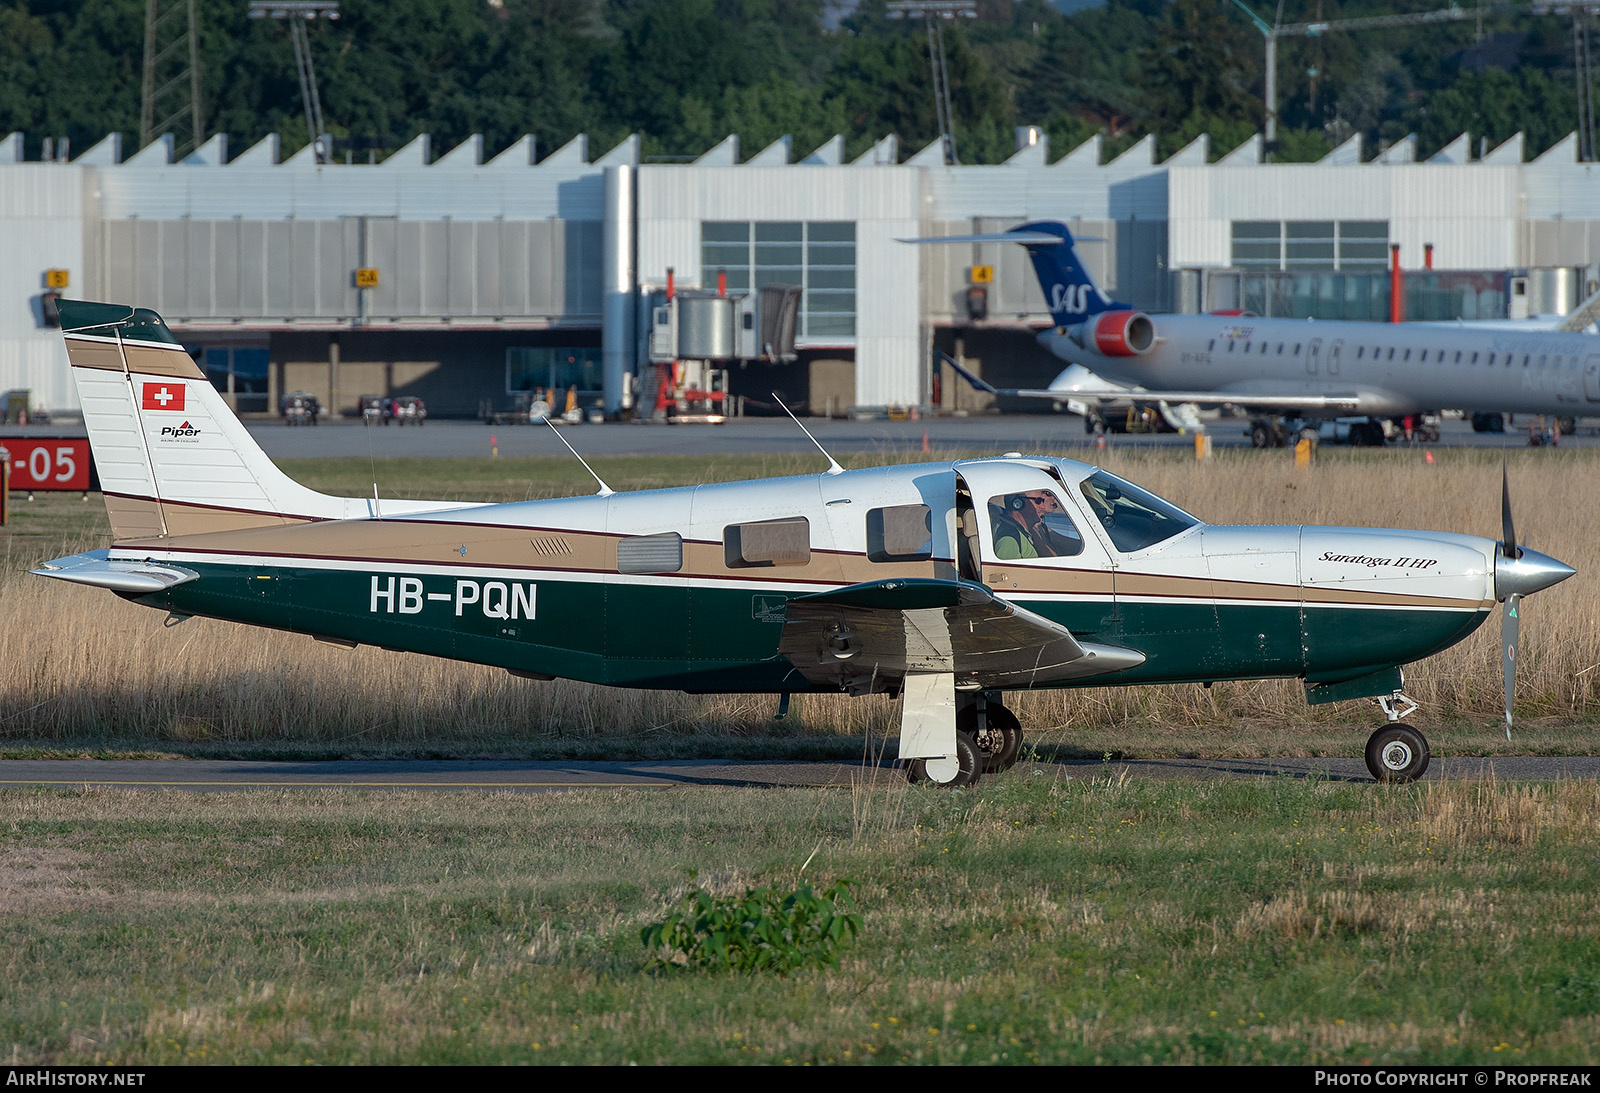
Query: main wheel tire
[[1000, 743], [1397, 754], [1260, 437], [969, 766]]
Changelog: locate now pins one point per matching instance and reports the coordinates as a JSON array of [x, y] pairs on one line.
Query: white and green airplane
[[946, 583]]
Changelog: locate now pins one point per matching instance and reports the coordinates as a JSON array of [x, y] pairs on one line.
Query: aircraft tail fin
[[173, 459], [1070, 290]]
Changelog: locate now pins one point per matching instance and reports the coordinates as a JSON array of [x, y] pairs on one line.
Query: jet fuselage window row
[[1545, 361], [1211, 347]]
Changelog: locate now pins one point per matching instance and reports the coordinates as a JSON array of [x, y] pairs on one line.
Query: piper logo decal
[[179, 434], [496, 599], [163, 396]]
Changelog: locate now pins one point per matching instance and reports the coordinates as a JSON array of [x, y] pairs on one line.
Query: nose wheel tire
[[1397, 754], [999, 744], [969, 765]]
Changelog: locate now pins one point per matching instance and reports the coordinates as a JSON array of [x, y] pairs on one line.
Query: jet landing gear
[[1397, 753]]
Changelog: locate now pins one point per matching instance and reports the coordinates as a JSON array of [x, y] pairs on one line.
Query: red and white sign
[[58, 464], [163, 396]]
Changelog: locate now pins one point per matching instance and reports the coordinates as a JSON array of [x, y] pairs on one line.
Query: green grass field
[[1039, 920]]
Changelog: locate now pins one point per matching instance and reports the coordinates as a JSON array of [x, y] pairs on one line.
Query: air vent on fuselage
[[551, 547]]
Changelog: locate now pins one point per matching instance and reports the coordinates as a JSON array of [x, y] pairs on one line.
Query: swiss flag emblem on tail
[[163, 396]]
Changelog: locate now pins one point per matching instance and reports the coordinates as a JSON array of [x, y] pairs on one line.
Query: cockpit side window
[[1134, 518], [1032, 524]]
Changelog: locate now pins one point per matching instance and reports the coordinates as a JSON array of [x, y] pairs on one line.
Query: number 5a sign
[[48, 464], [367, 277]]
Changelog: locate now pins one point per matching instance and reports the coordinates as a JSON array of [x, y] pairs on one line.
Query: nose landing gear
[[1397, 753]]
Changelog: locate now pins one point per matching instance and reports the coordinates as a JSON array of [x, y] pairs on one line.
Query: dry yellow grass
[[80, 665]]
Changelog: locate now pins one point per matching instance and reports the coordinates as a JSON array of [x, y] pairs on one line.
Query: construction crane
[[1273, 31]]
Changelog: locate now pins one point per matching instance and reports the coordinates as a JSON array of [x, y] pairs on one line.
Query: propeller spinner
[[1517, 572]]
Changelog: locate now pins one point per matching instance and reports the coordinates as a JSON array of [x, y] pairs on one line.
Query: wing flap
[[869, 637]]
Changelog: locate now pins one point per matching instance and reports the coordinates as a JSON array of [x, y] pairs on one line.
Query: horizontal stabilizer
[[1025, 238], [96, 568]]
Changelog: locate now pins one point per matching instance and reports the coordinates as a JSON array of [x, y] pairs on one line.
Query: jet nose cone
[[1527, 574]]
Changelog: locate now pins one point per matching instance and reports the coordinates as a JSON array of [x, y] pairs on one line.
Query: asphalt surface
[[545, 777], [1050, 434]]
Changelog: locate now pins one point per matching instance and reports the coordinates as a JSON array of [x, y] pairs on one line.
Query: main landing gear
[[1397, 753], [988, 741]]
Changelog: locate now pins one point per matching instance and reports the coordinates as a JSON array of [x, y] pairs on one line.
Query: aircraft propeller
[[1517, 573]]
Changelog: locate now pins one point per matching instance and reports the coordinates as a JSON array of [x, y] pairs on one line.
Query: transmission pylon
[[171, 94]]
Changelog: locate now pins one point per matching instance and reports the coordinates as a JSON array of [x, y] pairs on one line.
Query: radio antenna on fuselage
[[605, 490], [833, 464]]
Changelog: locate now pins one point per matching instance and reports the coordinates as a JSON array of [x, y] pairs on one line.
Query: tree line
[[683, 74]]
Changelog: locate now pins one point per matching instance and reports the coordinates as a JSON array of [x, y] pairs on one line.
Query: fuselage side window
[[1032, 524], [900, 533], [1211, 345], [1297, 349], [767, 543]]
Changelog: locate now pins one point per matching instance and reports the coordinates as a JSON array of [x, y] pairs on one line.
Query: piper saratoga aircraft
[[1297, 367], [948, 583]]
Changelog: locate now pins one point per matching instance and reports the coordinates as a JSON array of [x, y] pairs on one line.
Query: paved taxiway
[[1058, 434], [489, 776]]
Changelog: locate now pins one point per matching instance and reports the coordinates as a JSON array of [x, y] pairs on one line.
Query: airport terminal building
[[469, 279]]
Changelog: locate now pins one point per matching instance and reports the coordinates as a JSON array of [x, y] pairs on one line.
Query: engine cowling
[[1123, 333]]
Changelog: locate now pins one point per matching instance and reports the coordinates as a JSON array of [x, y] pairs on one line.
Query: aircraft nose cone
[[1528, 574]]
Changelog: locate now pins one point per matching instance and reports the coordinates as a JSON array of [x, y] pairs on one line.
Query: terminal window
[[240, 371], [818, 255], [1354, 245], [553, 368]]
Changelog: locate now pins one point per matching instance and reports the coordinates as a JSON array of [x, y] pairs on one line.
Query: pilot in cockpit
[[1032, 525]]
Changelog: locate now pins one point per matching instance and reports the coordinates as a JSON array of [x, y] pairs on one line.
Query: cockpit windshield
[[1134, 518]]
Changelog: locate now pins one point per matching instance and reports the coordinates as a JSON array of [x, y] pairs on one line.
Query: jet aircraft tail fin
[[173, 459], [1070, 290]]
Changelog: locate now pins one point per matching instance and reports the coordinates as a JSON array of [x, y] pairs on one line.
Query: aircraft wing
[[1350, 401], [861, 635]]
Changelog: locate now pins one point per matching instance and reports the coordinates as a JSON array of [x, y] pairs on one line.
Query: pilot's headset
[[1017, 501]]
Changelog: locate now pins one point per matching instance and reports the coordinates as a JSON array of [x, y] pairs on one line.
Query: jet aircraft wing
[[1345, 401], [848, 637]]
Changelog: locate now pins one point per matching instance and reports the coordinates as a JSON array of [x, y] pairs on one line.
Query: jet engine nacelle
[[1123, 333]]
